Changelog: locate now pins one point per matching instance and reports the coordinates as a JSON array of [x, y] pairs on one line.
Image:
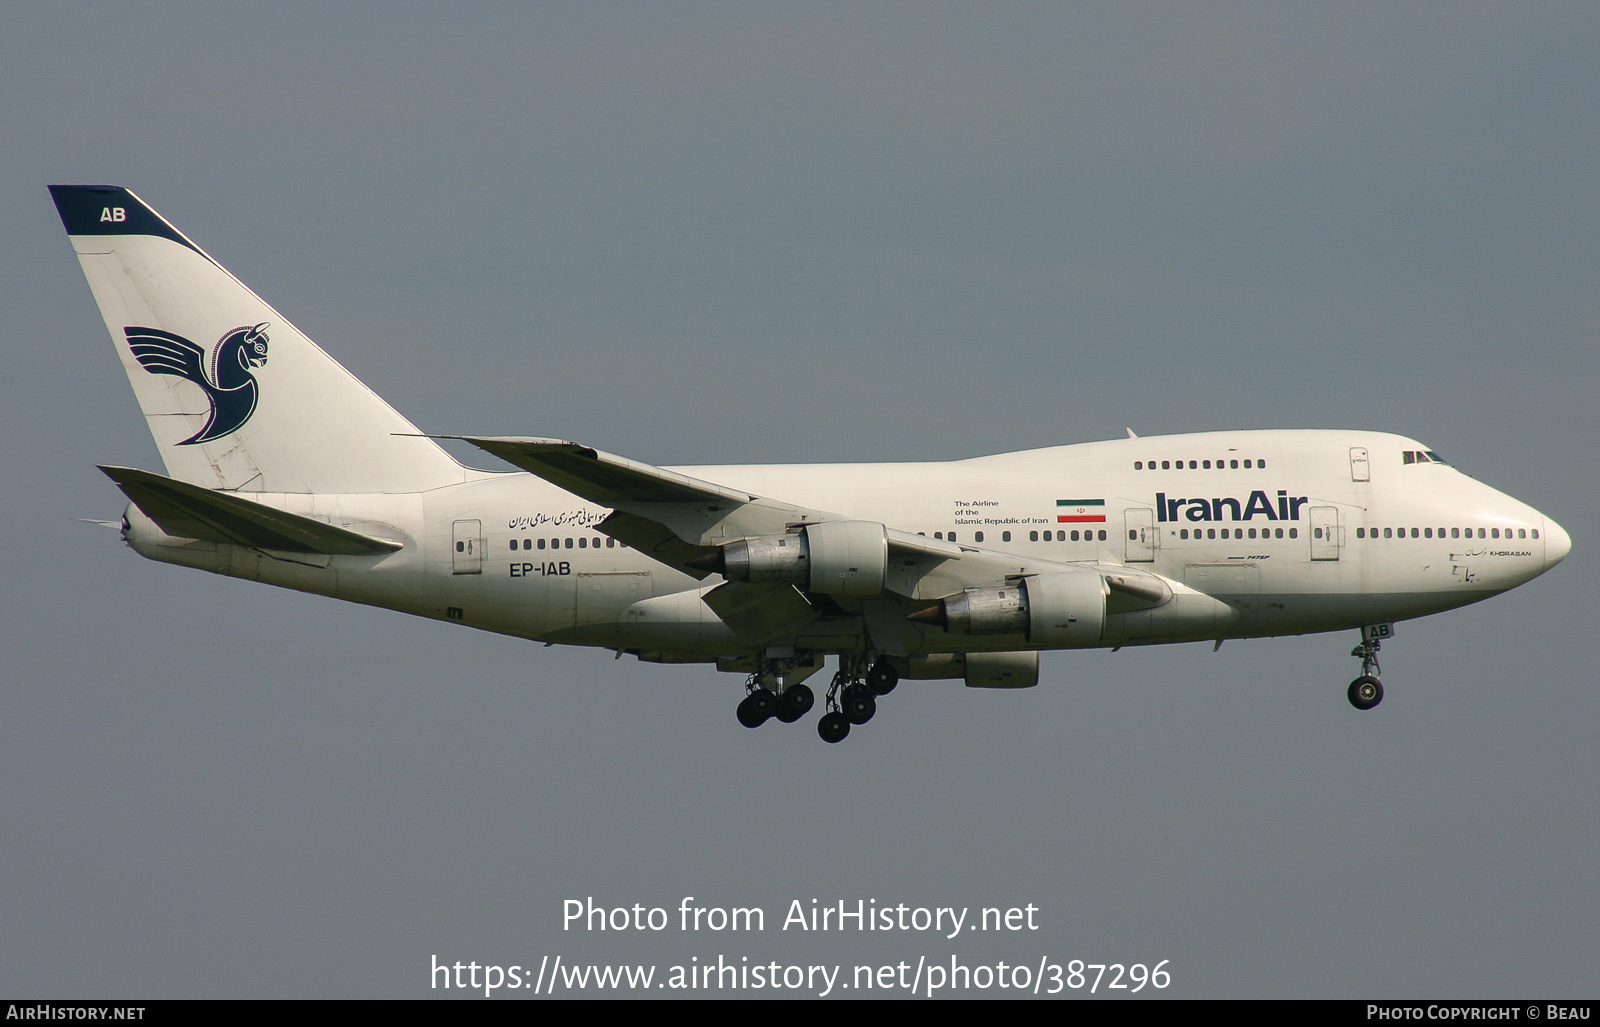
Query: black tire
[[1365, 692], [795, 702], [833, 727], [883, 677], [859, 703], [756, 708]]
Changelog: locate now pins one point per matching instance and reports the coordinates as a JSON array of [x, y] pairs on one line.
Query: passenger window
[[952, 537], [1005, 536], [1415, 533], [1279, 533], [527, 543], [1166, 465], [1261, 465], [1211, 533], [1247, 465], [541, 543], [1294, 532], [1535, 532], [1193, 464], [1183, 533], [1252, 533], [1522, 533], [1102, 536], [1361, 533], [1234, 464], [1427, 533], [939, 535], [1494, 532], [513, 545], [461, 547], [1455, 532], [1316, 532], [1206, 464], [977, 536], [1133, 536], [569, 543], [1033, 536], [1138, 465], [1482, 533]]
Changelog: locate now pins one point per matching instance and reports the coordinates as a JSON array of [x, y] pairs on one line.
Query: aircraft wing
[[678, 519], [602, 478], [184, 510], [673, 517]]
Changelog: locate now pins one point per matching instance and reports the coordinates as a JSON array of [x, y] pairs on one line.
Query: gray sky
[[725, 233]]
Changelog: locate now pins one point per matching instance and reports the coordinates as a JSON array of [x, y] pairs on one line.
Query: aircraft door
[[1140, 528], [1324, 532], [467, 557], [1360, 466]]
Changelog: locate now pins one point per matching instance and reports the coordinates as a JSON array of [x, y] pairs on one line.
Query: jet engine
[[1056, 608], [842, 558]]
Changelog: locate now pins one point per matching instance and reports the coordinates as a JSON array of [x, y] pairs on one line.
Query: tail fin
[[236, 397]]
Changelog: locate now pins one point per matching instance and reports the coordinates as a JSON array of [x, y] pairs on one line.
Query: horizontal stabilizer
[[192, 511]]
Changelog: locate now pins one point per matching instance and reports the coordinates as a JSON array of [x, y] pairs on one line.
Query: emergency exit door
[[1140, 531], [1324, 532], [468, 555]]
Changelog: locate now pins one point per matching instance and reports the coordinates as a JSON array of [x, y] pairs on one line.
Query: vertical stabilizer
[[236, 397]]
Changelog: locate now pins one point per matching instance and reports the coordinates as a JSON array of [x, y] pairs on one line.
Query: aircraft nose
[[1557, 543]]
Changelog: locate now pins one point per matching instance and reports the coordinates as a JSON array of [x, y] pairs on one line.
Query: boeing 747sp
[[281, 467]]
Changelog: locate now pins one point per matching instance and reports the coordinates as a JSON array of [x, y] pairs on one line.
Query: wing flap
[[192, 511]]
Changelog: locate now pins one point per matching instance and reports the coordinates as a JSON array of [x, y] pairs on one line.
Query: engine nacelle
[[841, 558], [1057, 608], [1066, 608], [981, 670]]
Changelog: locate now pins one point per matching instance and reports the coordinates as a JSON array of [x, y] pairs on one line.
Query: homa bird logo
[[229, 386]]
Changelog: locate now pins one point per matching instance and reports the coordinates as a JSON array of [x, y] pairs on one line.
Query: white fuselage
[[1295, 531]]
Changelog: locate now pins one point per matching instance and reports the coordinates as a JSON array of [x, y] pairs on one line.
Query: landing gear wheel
[[795, 702], [757, 707], [859, 703], [882, 677], [1366, 692], [833, 727]]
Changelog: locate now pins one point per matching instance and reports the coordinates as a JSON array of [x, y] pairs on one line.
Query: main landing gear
[[761, 703], [853, 696], [1366, 691]]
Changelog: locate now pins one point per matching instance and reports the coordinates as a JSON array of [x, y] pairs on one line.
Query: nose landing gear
[[1366, 691]]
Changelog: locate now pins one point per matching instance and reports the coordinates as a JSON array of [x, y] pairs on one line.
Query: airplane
[[282, 467]]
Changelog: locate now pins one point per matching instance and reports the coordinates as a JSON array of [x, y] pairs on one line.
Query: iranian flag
[[1080, 511]]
